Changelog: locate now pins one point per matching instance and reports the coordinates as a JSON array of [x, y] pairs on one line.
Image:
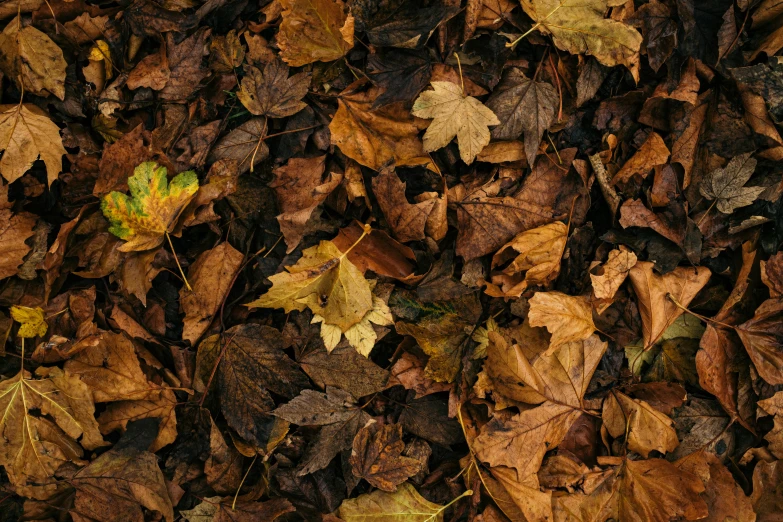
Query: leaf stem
[[694, 314], [366, 230], [176, 260], [461, 79], [707, 212], [515, 42]]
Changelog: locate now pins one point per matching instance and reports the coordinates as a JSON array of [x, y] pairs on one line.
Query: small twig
[[176, 260], [610, 195]]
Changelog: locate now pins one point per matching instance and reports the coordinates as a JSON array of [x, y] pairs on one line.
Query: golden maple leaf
[[26, 134], [32, 320], [453, 113]]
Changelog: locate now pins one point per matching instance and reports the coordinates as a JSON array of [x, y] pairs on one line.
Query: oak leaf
[[314, 30], [656, 307], [540, 250], [579, 27], [651, 490], [32, 60], [453, 113], [404, 504], [567, 318], [377, 457], [42, 420], [272, 93], [151, 211], [337, 414], [647, 429], [726, 186], [374, 137], [326, 282], [523, 106], [27, 134]]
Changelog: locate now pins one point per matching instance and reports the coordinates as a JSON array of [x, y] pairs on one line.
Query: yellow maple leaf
[[362, 335], [32, 320], [453, 113], [26, 134], [152, 209], [314, 30], [326, 282]]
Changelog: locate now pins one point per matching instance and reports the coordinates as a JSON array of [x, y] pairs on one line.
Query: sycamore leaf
[[213, 510], [226, 53], [727, 185], [272, 93], [152, 209], [41, 422], [656, 307], [523, 106], [27, 134], [651, 490], [647, 428], [377, 457], [339, 417], [362, 335], [540, 250], [567, 318], [313, 31], [762, 336], [579, 27], [453, 113], [32, 320], [326, 282], [31, 59], [405, 505]]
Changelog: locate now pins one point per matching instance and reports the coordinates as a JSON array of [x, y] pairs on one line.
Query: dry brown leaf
[[540, 250], [272, 93], [647, 428], [32, 60], [568, 318], [377, 457], [376, 137], [761, 336], [26, 134], [657, 309], [314, 30], [652, 153], [15, 230], [613, 273], [407, 220], [210, 276]]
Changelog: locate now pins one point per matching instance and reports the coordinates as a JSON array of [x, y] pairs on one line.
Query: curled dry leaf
[[726, 186], [568, 318], [32, 60], [272, 93], [646, 428], [652, 153], [407, 220], [762, 336], [613, 273], [454, 114]]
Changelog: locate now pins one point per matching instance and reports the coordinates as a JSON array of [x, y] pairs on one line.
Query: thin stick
[[234, 503], [459, 65], [185, 279], [707, 212]]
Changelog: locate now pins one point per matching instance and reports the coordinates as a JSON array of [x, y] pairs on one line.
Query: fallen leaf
[[213, 510], [42, 420], [568, 318], [362, 335], [612, 273], [32, 320], [726, 186], [454, 114], [540, 250], [407, 220], [375, 137], [428, 418], [211, 276], [580, 28], [152, 209], [652, 490], [226, 52], [15, 230], [404, 504], [312, 31], [523, 106], [646, 428], [184, 61], [27, 134], [339, 417], [701, 425], [652, 153], [346, 369], [761, 336], [409, 370], [245, 145], [324, 281], [401, 73], [377, 457], [657, 309], [32, 60], [272, 93]]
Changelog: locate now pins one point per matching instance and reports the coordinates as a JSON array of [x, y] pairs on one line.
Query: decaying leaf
[[32, 320], [405, 504], [454, 114], [32, 60], [613, 273], [647, 429], [272, 93], [151, 211], [726, 186], [377, 457], [567, 318]]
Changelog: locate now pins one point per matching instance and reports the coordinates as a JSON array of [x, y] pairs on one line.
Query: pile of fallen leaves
[[391, 260]]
